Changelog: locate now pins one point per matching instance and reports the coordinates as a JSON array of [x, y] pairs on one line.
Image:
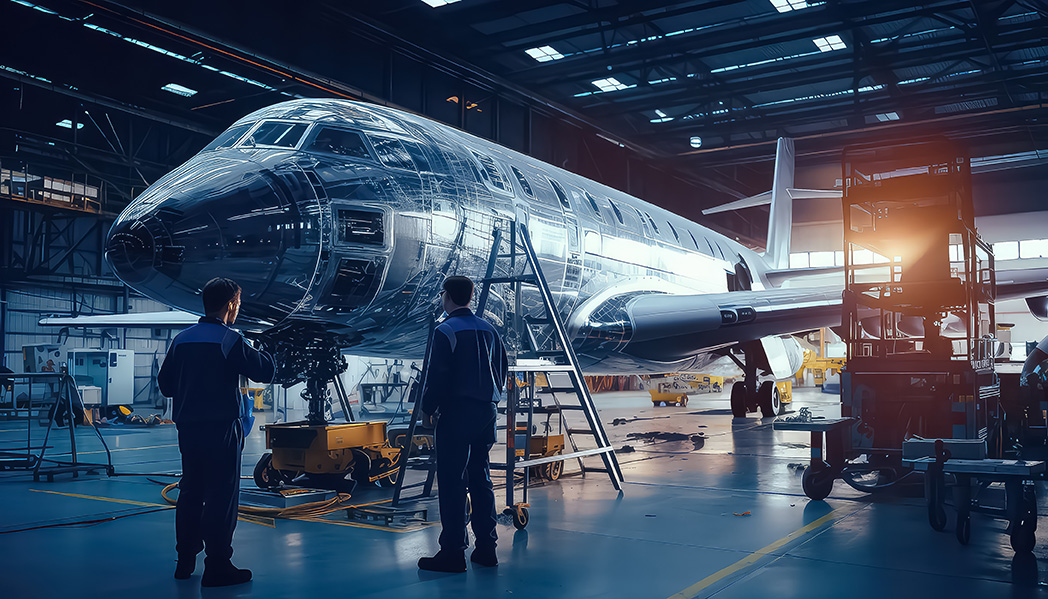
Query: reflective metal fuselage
[[346, 217]]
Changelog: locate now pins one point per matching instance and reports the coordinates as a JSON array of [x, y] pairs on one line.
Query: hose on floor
[[315, 509]]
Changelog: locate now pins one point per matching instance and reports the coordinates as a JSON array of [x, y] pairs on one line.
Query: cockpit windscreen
[[230, 137], [277, 133], [340, 142]]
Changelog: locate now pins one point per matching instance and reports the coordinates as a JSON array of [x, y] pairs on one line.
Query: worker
[[464, 382], [202, 373]]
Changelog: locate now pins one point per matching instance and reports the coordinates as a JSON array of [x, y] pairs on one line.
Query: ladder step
[[585, 469], [558, 389], [580, 431]]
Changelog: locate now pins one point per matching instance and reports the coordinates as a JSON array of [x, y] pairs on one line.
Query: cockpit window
[[276, 133], [524, 185], [340, 142], [391, 152], [230, 137]]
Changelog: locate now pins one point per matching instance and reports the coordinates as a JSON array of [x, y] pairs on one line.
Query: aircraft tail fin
[[780, 219]]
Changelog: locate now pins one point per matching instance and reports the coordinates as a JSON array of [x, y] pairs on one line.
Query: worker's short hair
[[217, 294], [459, 289]]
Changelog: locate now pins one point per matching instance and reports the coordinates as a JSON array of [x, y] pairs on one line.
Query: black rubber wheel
[[265, 475], [738, 400], [555, 470], [521, 518], [817, 481], [768, 399], [964, 528], [1023, 538], [937, 517], [360, 469], [933, 495]]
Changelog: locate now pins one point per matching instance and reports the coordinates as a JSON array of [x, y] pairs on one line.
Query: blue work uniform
[[464, 382], [202, 374]]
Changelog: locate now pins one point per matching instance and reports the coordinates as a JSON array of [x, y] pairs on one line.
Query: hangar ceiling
[[702, 88]]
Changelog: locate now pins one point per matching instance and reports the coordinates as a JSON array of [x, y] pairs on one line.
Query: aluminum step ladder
[[536, 330]]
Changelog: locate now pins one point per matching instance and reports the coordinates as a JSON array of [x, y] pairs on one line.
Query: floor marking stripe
[[694, 590], [419, 527], [97, 498], [128, 449], [242, 518]]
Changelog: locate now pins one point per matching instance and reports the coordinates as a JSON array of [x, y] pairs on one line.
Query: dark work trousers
[[465, 434], [209, 492]]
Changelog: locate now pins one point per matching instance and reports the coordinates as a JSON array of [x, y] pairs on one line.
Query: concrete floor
[[673, 532]]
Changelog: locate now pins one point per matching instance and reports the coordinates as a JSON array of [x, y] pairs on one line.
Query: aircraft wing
[[668, 328], [171, 319]]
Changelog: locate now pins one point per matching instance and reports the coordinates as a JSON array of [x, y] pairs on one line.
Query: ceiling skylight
[[609, 85], [788, 5], [828, 44], [888, 116], [661, 117], [544, 53], [179, 89], [68, 124], [439, 3]]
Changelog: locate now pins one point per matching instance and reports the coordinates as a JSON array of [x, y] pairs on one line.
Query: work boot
[[484, 556], [224, 576], [184, 567], [444, 561]]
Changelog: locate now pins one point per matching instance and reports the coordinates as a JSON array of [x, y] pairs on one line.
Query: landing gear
[[738, 400], [768, 399]]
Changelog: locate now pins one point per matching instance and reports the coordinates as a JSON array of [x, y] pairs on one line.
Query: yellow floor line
[[250, 519], [694, 590], [128, 449]]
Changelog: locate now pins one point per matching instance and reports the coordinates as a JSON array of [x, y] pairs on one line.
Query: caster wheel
[[964, 528], [555, 470], [521, 518], [267, 477], [1023, 538], [738, 400], [937, 517], [817, 481]]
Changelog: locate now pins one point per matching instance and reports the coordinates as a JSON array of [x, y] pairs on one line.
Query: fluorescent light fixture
[[830, 43], [179, 89], [696, 142], [610, 84], [68, 124], [661, 117], [788, 5], [544, 53], [888, 116], [439, 3]]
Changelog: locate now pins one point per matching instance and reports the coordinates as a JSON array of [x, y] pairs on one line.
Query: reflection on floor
[[718, 515]]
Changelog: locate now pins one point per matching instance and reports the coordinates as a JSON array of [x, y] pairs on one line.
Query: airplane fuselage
[[346, 217]]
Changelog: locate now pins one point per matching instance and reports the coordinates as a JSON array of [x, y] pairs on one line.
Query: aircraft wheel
[[738, 400], [768, 399], [817, 481]]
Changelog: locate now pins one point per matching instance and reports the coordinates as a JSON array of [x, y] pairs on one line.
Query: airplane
[[340, 220]]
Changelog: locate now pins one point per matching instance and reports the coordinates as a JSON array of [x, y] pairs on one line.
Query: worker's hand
[[429, 420]]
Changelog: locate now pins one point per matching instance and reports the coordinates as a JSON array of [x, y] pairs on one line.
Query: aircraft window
[[359, 226], [674, 231], [494, 175], [593, 204], [276, 133], [524, 185], [418, 156], [651, 220], [563, 197], [339, 142], [615, 209], [693, 240], [391, 152], [228, 138]]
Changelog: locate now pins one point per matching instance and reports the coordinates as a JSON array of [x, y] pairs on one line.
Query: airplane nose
[[130, 250], [220, 217]]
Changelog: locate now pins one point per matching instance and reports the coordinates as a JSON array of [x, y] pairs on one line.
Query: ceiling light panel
[[180, 90], [830, 43], [544, 53], [788, 5], [610, 84], [439, 3]]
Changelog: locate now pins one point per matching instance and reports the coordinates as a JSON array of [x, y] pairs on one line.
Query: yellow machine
[[544, 446], [359, 449]]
